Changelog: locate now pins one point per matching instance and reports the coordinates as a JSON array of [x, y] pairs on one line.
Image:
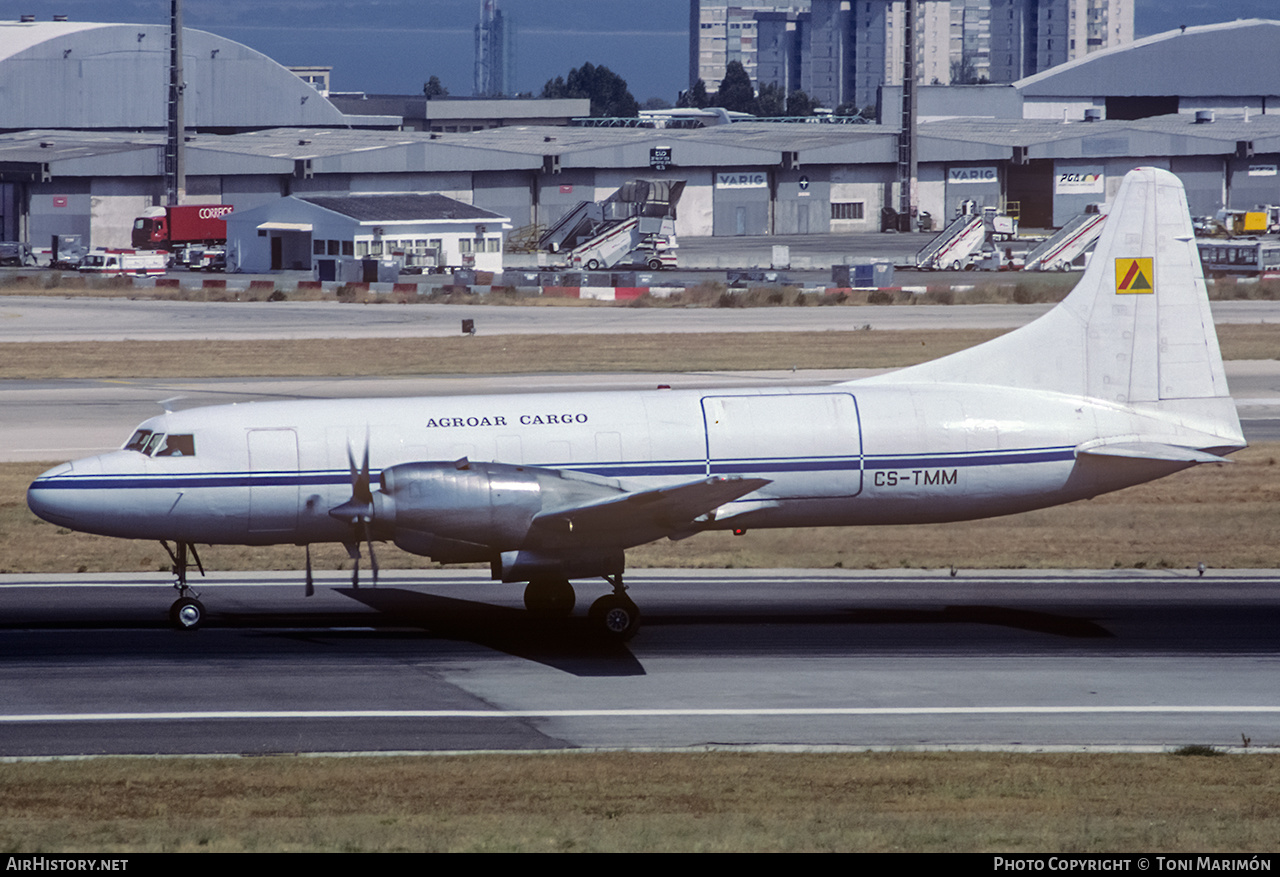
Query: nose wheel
[[186, 613]]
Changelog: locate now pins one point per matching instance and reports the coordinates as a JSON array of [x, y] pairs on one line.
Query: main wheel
[[616, 617], [549, 596], [187, 613]]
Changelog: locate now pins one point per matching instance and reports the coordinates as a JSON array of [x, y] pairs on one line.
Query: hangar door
[[741, 205], [1031, 185], [810, 444]]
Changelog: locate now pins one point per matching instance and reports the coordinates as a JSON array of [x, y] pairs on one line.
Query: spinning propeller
[[358, 512]]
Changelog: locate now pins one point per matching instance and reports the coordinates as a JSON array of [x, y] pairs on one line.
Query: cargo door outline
[[273, 480], [808, 444]]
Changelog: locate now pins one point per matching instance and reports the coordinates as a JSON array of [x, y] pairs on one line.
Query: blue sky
[[395, 45]]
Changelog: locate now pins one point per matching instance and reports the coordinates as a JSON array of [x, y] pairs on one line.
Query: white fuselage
[[269, 472]]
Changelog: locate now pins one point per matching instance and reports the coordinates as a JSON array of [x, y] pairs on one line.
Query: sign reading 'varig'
[[972, 175], [1133, 276], [742, 180]]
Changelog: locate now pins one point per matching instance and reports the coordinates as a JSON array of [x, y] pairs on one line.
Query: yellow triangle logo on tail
[[1134, 276]]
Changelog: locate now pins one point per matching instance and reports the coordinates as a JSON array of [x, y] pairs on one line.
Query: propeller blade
[[358, 512], [311, 588], [373, 558]]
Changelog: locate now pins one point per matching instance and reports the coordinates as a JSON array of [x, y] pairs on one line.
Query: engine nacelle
[[468, 512]]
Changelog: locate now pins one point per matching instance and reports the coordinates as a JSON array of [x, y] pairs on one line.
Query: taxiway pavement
[[35, 318]]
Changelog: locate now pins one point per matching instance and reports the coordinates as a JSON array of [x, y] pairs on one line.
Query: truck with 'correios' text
[[176, 227]]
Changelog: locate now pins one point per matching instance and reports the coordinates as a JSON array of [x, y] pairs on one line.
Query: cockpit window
[[157, 444], [177, 446], [139, 440]]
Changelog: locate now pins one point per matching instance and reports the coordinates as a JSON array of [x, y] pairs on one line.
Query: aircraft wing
[[665, 509]]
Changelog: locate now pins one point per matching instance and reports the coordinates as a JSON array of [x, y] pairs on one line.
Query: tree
[[695, 97], [432, 88], [963, 72], [736, 93], [799, 104], [771, 101], [606, 90]]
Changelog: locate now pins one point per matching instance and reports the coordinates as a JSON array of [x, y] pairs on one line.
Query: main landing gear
[[186, 613], [614, 615]]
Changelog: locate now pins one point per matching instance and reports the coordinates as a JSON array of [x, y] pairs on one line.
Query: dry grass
[[646, 802], [1223, 515], [506, 354], [527, 354]]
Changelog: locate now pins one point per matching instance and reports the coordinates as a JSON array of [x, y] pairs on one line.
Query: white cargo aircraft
[[1119, 384]]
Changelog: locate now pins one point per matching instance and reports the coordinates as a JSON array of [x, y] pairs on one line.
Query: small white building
[[330, 235]]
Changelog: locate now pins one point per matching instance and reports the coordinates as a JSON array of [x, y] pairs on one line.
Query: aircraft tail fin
[[1136, 328]]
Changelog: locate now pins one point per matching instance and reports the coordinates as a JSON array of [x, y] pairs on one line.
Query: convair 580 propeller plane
[[1119, 384]]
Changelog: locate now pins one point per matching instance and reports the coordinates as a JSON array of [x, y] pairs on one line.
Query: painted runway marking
[[634, 713]]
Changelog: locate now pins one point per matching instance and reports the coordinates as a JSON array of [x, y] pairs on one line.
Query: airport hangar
[[84, 111]]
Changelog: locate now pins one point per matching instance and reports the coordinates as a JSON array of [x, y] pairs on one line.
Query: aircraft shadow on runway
[[1000, 616], [568, 644]]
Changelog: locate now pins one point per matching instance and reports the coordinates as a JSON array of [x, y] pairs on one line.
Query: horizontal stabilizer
[[665, 508], [1150, 451]]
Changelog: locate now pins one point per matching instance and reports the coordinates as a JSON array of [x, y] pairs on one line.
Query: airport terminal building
[[68, 166]]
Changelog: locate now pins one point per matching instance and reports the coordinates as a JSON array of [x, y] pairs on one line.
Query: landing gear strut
[[187, 612], [615, 615]]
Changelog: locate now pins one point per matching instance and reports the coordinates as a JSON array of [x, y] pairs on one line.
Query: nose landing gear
[[186, 613]]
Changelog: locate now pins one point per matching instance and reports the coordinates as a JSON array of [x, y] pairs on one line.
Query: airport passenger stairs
[[607, 247], [1064, 247], [570, 229], [955, 246]]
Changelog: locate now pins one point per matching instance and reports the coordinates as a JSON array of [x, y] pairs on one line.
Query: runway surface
[[34, 318], [449, 661]]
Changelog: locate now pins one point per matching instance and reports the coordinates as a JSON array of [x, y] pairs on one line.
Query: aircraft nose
[[54, 496]]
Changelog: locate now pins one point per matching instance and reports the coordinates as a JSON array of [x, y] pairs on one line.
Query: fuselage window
[[139, 440], [177, 446]]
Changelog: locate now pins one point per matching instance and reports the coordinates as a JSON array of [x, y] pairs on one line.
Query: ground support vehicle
[[635, 226], [118, 262], [1060, 251], [956, 247]]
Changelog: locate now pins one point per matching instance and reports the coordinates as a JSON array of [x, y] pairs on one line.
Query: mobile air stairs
[[956, 247], [1063, 248], [634, 226]]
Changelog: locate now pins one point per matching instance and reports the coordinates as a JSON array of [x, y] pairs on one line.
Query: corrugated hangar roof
[[1045, 138], [68, 153], [1232, 58], [63, 74], [403, 208]]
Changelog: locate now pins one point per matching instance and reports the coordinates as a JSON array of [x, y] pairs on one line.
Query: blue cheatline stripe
[[616, 469]]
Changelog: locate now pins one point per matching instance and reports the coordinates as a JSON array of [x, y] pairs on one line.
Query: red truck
[[174, 228]]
